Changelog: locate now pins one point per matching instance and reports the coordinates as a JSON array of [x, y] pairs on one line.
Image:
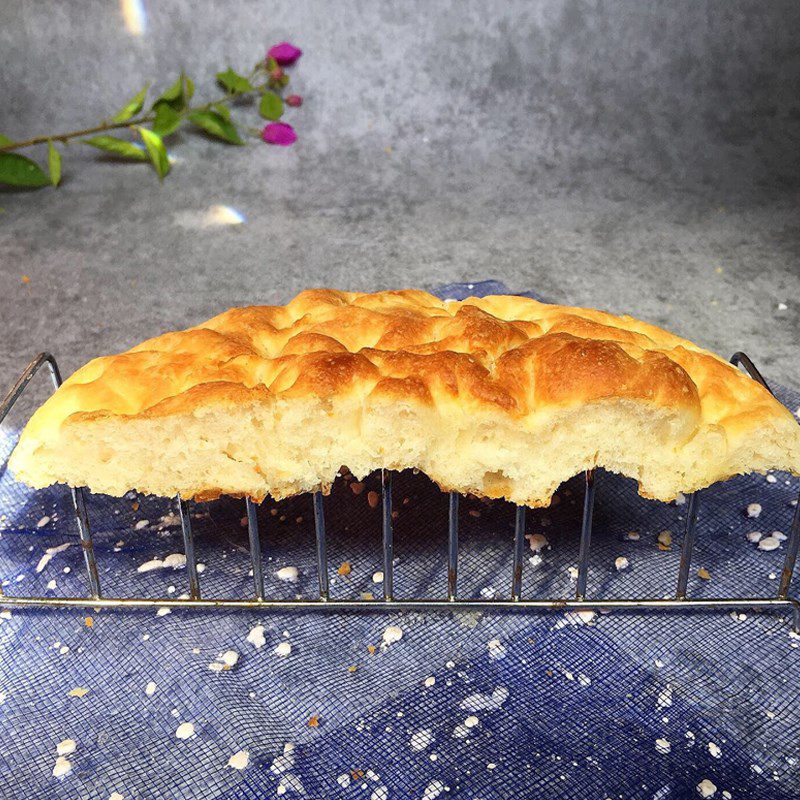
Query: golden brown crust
[[516, 360]]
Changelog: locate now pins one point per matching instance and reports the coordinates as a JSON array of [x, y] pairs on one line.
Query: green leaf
[[222, 110], [54, 164], [215, 124], [17, 170], [134, 106], [177, 95], [271, 64], [271, 106], [4, 140], [119, 147], [156, 151], [233, 82], [167, 120]]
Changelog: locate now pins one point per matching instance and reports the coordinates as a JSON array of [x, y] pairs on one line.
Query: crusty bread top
[[510, 357]]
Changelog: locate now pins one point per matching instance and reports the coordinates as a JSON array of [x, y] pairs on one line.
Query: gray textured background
[[636, 157]]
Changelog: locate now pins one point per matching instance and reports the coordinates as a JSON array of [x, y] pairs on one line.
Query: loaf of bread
[[498, 396]]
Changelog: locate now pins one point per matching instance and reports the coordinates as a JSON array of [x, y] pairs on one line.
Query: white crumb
[[283, 649], [289, 574], [256, 637], [343, 780], [392, 634], [771, 479], [621, 563], [142, 523], [150, 689], [229, 658], [239, 760], [49, 553], [706, 789], [43, 521], [715, 750], [173, 560], [584, 680], [680, 499], [430, 681], [65, 747], [377, 577], [663, 746], [779, 535], [769, 543], [537, 541], [116, 796], [62, 767], [632, 536], [753, 510], [471, 721], [51, 584], [753, 536], [201, 568], [185, 730], [163, 611], [573, 573], [481, 702]]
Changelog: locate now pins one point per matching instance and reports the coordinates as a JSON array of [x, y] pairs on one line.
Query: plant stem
[[110, 126]]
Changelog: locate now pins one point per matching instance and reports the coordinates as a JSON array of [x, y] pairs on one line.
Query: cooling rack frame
[[680, 601]]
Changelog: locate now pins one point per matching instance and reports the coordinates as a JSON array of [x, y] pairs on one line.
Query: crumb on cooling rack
[[313, 722], [706, 788], [371, 649], [632, 536], [392, 634], [150, 689], [537, 541], [665, 540], [344, 569], [770, 542], [377, 577], [256, 637], [79, 691], [356, 487], [239, 760], [703, 574], [224, 661], [663, 746], [753, 510], [288, 574], [184, 731], [373, 498], [283, 649], [88, 622], [621, 563]]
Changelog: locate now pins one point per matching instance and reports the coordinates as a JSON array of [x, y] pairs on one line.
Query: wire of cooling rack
[[782, 601]]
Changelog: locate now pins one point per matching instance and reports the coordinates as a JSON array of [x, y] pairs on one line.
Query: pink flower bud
[[284, 53], [279, 133], [294, 100]]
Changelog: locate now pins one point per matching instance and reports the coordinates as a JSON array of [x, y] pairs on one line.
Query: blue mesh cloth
[[467, 705]]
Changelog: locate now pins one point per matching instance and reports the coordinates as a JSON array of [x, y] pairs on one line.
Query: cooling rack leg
[[452, 548], [792, 547], [322, 554], [586, 536], [519, 545], [255, 549], [85, 532], [388, 536], [188, 544], [688, 545]]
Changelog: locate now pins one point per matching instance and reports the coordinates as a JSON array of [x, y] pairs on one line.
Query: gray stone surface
[[635, 157]]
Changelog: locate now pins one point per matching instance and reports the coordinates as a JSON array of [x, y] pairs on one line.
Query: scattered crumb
[[703, 574], [239, 760], [715, 750], [573, 573], [769, 543], [289, 574], [471, 721], [664, 540], [680, 499], [283, 649], [50, 552], [753, 536], [142, 523], [373, 498], [163, 611], [65, 747], [256, 637], [632, 536], [150, 689], [771, 478], [377, 577], [88, 622], [313, 722], [80, 691], [663, 746], [185, 731], [392, 634], [356, 487], [371, 649], [344, 569], [430, 681], [116, 796], [62, 767], [537, 541], [706, 789], [753, 510], [42, 522], [343, 780], [621, 563], [473, 512]]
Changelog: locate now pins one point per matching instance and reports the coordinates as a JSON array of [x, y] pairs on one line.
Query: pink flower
[[279, 133], [284, 53], [294, 100]]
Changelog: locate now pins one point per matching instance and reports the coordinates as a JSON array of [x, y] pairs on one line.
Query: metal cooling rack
[[782, 602]]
